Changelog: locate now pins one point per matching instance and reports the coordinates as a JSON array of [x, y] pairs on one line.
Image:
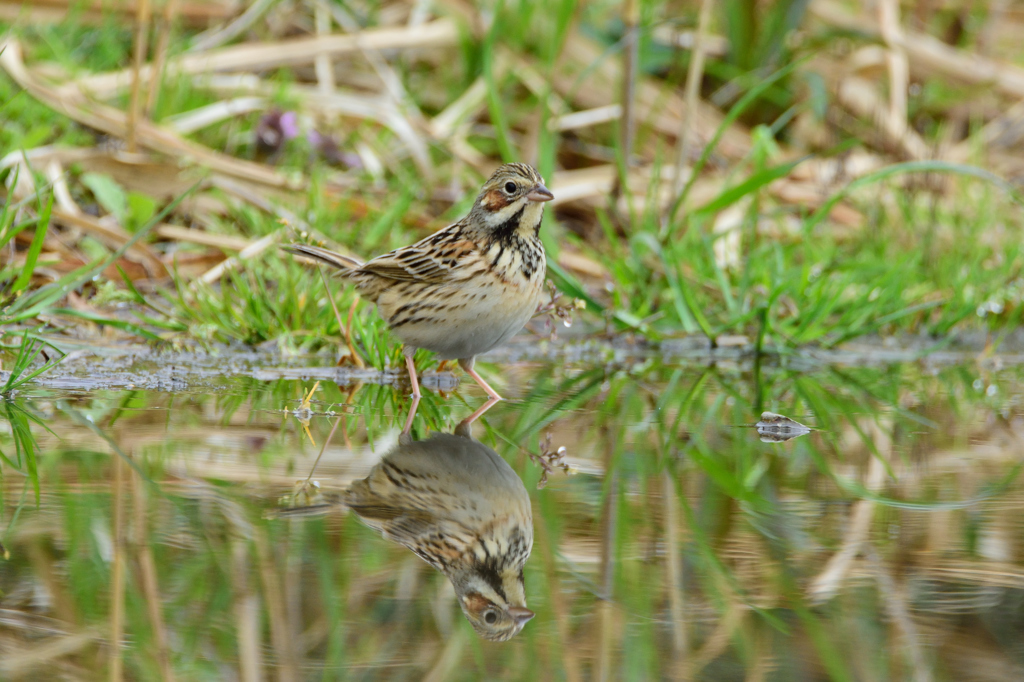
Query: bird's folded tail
[[296, 512], [343, 263]]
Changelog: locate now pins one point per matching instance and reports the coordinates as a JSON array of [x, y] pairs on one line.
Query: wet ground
[[161, 518]]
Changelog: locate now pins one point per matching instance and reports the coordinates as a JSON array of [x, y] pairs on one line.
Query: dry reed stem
[[247, 615], [559, 607], [218, 241], [198, 13], [197, 119], [260, 245], [140, 49], [467, 106], [42, 567], [164, 25], [899, 69], [30, 658], [444, 666], [264, 56], [718, 641], [115, 236], [674, 576], [861, 98], [69, 213], [293, 585], [713, 45], [215, 38], [930, 55], [61, 192], [281, 637], [1001, 132], [114, 122], [345, 331], [149, 582], [606, 578], [996, 16], [584, 119], [630, 68], [694, 76], [587, 78], [116, 661], [376, 109], [251, 251], [322, 63], [393, 86], [829, 580], [895, 600]]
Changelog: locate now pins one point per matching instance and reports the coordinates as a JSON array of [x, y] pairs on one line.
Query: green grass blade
[[910, 167], [31, 305], [35, 248], [748, 186], [734, 113]]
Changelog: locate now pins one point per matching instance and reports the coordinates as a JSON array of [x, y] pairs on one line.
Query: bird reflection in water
[[461, 508]]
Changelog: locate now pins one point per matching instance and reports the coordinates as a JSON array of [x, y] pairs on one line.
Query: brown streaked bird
[[461, 508], [467, 288]]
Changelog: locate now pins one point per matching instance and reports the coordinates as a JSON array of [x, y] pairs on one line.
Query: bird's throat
[[522, 222]]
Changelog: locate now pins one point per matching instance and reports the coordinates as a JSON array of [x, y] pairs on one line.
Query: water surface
[[672, 539]]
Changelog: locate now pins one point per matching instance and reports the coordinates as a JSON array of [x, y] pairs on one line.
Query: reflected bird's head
[[460, 507]]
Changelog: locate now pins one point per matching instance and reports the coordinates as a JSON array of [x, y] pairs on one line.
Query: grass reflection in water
[[885, 544]]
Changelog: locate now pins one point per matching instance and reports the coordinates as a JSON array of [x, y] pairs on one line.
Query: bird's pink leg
[[465, 423], [468, 366], [412, 370], [412, 413]]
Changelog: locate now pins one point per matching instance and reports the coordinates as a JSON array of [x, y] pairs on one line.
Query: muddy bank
[[136, 366]]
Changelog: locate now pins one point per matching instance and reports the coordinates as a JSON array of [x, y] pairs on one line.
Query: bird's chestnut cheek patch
[[495, 200], [475, 602]]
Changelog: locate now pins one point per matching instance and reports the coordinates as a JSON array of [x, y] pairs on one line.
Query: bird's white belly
[[483, 320]]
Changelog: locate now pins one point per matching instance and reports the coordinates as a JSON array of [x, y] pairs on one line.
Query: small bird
[[461, 508], [467, 288]]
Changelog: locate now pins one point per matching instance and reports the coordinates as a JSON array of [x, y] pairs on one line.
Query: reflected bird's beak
[[522, 614], [540, 193]]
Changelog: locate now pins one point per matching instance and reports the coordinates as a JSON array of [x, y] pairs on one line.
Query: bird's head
[[512, 201], [495, 603]]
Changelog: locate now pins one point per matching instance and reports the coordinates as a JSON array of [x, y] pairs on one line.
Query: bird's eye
[[510, 187], [491, 617]]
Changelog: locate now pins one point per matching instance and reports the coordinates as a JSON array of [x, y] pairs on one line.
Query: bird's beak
[[521, 614], [540, 193]]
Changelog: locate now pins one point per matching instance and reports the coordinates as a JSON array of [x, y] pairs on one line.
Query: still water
[[166, 521]]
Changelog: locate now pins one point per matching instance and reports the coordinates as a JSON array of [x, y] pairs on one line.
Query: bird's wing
[[434, 260]]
